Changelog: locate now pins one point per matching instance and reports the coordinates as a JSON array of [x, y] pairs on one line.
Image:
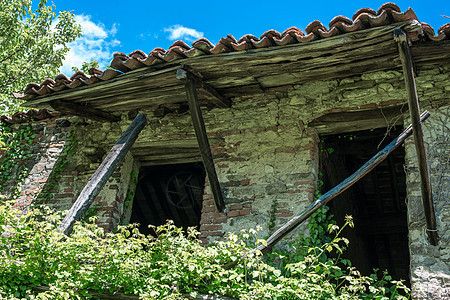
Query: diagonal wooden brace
[[202, 138], [101, 176]]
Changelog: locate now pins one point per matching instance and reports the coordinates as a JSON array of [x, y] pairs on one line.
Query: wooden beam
[[71, 108], [204, 88], [337, 190], [101, 176], [202, 138], [414, 110]]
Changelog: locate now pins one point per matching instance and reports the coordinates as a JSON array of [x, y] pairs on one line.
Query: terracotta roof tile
[[364, 18], [21, 116]]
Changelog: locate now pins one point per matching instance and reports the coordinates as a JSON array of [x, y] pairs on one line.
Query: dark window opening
[[168, 192], [377, 202]]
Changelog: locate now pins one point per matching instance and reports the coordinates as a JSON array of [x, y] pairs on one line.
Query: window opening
[[168, 192]]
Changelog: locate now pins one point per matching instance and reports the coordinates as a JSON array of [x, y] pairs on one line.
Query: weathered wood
[[146, 162], [128, 79], [431, 52], [349, 121], [337, 190], [245, 72], [202, 138], [414, 110], [205, 88], [83, 111], [101, 176]]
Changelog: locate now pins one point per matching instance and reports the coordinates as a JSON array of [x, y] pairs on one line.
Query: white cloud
[[177, 32], [95, 43]]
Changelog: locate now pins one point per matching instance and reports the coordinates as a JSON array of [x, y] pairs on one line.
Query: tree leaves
[[32, 46]]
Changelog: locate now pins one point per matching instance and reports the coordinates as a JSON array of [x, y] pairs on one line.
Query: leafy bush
[[173, 265]]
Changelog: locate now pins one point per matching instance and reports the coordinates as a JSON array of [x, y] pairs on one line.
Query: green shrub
[[173, 265]]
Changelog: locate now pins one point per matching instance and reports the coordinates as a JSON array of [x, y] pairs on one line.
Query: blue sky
[[124, 26]]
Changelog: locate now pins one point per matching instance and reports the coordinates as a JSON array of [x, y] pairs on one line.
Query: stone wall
[[50, 139], [430, 271]]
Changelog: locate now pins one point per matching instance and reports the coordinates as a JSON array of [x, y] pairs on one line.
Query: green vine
[[17, 147], [52, 183], [131, 189], [272, 216]]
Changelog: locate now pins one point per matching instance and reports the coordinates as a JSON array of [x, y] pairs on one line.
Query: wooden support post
[[413, 103], [83, 111], [101, 176], [337, 190], [202, 138]]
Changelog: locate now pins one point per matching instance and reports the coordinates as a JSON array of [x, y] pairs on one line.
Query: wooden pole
[[414, 110], [337, 190], [101, 176], [202, 138]]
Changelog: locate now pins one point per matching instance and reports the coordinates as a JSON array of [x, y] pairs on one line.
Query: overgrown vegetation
[[17, 150], [174, 265]]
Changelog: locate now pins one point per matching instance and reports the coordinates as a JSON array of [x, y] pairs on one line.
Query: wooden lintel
[[414, 110], [83, 111], [204, 88], [202, 138], [101, 176]]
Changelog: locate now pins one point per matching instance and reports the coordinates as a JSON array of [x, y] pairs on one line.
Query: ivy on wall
[[16, 146], [17, 149]]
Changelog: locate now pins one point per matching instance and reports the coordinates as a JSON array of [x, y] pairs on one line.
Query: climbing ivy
[[272, 216], [18, 150], [132, 188]]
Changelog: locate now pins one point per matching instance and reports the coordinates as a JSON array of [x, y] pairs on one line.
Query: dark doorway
[[168, 192], [377, 202]]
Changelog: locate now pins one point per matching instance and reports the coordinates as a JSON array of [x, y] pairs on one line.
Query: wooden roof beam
[[204, 88], [83, 111]]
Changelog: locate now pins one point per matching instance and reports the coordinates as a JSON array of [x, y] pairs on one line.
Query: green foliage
[[173, 265], [17, 151], [32, 46], [86, 66]]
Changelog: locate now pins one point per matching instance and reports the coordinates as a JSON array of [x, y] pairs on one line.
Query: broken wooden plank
[[337, 190], [202, 138], [414, 110], [71, 108], [101, 176]]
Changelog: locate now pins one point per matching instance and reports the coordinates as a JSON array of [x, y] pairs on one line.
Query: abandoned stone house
[[280, 113]]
